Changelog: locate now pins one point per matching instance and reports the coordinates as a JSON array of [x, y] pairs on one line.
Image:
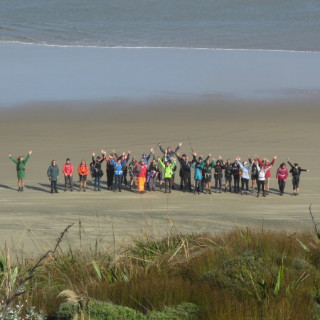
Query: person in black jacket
[[295, 171], [228, 175], [218, 173], [254, 173], [97, 170], [236, 177], [185, 171]]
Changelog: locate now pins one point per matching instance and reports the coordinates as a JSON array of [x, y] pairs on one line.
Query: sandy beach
[[32, 220]]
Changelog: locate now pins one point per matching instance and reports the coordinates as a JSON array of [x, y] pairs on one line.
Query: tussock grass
[[243, 274]]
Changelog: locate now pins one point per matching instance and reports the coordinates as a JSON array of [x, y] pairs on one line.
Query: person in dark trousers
[[125, 170], [262, 172], [236, 177], [282, 175], [53, 175], [218, 174], [68, 175], [97, 170], [245, 176], [110, 169], [168, 154], [254, 174], [295, 172], [228, 175], [118, 171], [185, 171], [207, 174], [20, 167], [197, 165], [152, 174]]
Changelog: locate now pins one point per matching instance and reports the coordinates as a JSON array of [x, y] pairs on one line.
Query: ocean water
[[62, 50], [232, 24]]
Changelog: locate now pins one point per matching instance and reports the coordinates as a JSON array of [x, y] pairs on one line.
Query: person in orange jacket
[[83, 171]]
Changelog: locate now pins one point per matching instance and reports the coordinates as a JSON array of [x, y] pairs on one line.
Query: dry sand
[[32, 220]]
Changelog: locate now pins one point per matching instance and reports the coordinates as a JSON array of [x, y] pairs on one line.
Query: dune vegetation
[[242, 274]]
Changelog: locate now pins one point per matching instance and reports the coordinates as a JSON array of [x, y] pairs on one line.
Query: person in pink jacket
[[68, 175], [282, 175]]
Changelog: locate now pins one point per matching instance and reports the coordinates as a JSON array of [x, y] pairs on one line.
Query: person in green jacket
[[20, 162], [168, 171], [53, 175]]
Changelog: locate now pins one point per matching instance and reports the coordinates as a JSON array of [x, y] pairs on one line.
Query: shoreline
[[42, 73]]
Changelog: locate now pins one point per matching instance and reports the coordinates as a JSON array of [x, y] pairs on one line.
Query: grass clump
[[242, 274]]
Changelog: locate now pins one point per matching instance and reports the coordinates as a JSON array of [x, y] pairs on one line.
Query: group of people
[[150, 171]]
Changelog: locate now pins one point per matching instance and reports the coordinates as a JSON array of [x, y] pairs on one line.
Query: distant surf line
[[14, 42]]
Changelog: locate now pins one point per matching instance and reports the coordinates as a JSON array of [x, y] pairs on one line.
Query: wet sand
[[32, 220]]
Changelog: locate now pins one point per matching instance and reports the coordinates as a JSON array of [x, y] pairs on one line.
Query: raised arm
[[13, 159]]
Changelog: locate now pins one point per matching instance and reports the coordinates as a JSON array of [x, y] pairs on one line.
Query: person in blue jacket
[[118, 171], [197, 165]]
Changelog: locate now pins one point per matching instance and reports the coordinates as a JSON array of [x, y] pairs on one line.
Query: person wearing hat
[[296, 171], [245, 177], [20, 163], [68, 174]]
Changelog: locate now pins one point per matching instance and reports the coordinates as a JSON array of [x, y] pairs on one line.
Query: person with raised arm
[[245, 177], [97, 170], [282, 176], [218, 174], [295, 172], [208, 165], [197, 165], [83, 172], [185, 171], [118, 171], [228, 175], [262, 171], [167, 172], [265, 163], [168, 154], [20, 163], [236, 177]]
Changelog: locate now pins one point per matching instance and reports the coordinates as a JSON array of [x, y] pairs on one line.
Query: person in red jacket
[[83, 171], [68, 175], [265, 164], [282, 175]]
